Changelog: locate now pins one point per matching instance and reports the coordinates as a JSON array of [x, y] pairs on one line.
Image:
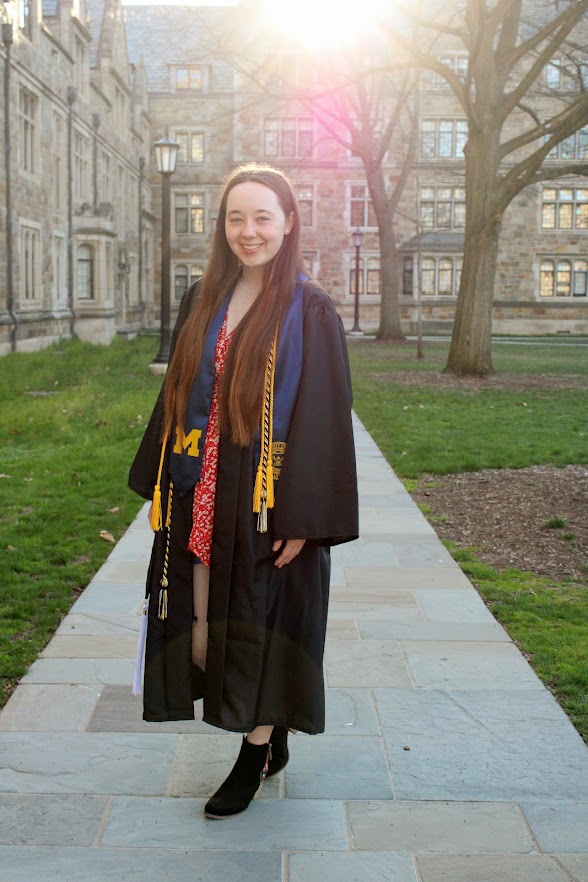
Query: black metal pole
[[10, 305], [162, 356], [356, 329]]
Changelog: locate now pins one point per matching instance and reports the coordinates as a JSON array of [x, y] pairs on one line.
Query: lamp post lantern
[[357, 242], [166, 153]]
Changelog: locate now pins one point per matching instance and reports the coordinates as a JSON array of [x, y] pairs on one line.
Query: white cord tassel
[[138, 678]]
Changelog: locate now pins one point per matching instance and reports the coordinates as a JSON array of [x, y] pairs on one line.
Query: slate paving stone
[[109, 598], [368, 611], [378, 520], [560, 828], [297, 824], [82, 670], [36, 707], [148, 865], [50, 819], [411, 578], [77, 624], [203, 762], [85, 762], [331, 866], [576, 864], [441, 827], [450, 605], [366, 663], [347, 712], [426, 553], [515, 745], [129, 572], [372, 596], [92, 646], [490, 868], [445, 665], [338, 767], [342, 629], [118, 710], [456, 632]]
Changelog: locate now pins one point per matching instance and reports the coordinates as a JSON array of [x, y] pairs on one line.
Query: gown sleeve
[[143, 471], [316, 495]]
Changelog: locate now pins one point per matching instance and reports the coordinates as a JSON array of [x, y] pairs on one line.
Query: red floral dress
[[205, 490]]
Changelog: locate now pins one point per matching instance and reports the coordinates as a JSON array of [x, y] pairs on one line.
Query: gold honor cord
[[263, 492], [156, 519]]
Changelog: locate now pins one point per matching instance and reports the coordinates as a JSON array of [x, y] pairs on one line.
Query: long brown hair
[[242, 383]]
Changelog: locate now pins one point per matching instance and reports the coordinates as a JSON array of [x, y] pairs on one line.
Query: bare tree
[[515, 122], [372, 113]]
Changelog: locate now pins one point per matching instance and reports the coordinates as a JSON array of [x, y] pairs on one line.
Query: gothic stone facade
[[170, 70]]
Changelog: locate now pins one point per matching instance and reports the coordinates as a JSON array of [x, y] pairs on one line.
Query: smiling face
[[255, 224]]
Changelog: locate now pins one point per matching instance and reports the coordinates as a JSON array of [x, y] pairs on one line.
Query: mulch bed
[[511, 382], [504, 513]]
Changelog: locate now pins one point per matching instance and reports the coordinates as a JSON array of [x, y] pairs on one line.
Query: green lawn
[[64, 465], [424, 429]]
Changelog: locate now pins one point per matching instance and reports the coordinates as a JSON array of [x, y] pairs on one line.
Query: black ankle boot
[[245, 779], [280, 754]]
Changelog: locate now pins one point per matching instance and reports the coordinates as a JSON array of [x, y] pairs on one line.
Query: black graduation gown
[[266, 625]]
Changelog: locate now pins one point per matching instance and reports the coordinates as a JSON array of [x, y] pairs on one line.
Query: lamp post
[[7, 40], [166, 152], [357, 242]]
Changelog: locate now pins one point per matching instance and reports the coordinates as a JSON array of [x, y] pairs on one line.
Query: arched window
[[580, 278], [180, 281], [407, 277], [563, 282], [373, 276], [445, 281], [85, 272], [428, 276], [196, 272]]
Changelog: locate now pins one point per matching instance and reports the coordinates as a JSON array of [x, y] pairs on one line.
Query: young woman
[[250, 460]]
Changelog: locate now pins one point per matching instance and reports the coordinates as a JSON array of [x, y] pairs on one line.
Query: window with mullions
[[189, 213], [369, 277], [457, 63], [191, 147], [189, 78], [305, 196], [25, 17], [565, 208], [288, 136], [443, 138], [442, 208], [439, 276], [30, 264], [85, 272], [28, 112], [563, 278], [574, 147], [566, 75], [184, 276], [361, 210]]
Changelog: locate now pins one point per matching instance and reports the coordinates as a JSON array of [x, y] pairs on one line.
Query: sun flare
[[327, 24]]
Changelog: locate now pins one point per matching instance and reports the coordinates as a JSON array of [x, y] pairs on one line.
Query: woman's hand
[[149, 513], [291, 549]]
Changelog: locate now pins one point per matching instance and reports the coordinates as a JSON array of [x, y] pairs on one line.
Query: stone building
[[201, 91], [82, 229], [111, 80]]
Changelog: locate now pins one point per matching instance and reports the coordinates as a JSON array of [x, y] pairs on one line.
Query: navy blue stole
[[187, 446]]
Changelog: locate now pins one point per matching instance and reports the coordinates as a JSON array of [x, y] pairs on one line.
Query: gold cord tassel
[[156, 519], [263, 492], [162, 605]]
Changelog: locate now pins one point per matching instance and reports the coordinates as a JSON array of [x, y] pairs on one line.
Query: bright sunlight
[[327, 24]]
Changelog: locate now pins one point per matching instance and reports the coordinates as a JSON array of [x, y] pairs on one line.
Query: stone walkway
[[444, 759]]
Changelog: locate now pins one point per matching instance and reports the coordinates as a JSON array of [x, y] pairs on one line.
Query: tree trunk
[[390, 327], [471, 342]]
